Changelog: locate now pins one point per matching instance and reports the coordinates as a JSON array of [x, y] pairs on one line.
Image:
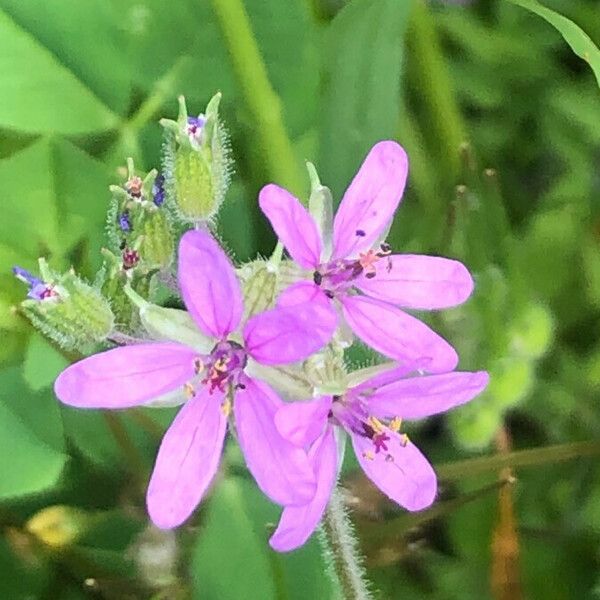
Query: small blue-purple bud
[[158, 190], [38, 290], [124, 222], [195, 128]]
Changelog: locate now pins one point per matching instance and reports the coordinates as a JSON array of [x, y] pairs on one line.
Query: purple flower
[[38, 290], [360, 275], [158, 190], [195, 129], [124, 222], [191, 449], [370, 413]]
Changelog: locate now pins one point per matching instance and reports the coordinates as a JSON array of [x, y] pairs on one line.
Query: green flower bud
[[259, 287], [65, 308], [532, 332], [136, 220], [196, 162]]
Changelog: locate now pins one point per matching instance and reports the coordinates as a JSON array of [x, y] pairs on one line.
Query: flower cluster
[[259, 350]]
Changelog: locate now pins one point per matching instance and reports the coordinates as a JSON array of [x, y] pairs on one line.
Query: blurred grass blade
[[521, 458], [363, 67], [578, 39]]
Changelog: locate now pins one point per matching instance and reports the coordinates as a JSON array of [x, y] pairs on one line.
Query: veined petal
[[280, 468], [371, 200], [302, 422], [402, 473], [126, 376], [288, 334], [419, 397], [373, 377], [208, 283], [298, 522], [293, 225], [418, 281], [301, 292], [187, 460], [398, 335]]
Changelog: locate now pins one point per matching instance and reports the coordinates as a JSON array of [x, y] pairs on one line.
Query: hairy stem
[[341, 553], [261, 100]]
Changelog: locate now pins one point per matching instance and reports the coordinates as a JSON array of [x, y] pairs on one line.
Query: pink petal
[[371, 200], [301, 292], [293, 225], [417, 281], [302, 422], [281, 470], [208, 283], [419, 397], [298, 522], [393, 372], [398, 335], [126, 376], [402, 473], [290, 333], [187, 460]]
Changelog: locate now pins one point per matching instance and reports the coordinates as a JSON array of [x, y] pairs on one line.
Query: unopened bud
[[196, 162], [138, 228], [65, 308]]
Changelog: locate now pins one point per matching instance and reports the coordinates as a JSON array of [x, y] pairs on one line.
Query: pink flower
[[370, 413], [191, 448], [361, 276]]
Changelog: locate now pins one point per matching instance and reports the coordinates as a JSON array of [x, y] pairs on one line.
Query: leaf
[[32, 453], [42, 363], [232, 559], [54, 197], [578, 39], [362, 85], [38, 93], [100, 61]]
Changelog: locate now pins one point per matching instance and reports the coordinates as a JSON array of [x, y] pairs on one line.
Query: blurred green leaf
[[42, 363], [32, 453], [55, 198], [578, 39], [38, 93], [100, 61], [363, 69]]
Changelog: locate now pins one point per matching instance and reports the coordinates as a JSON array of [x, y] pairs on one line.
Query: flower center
[[351, 413], [224, 366], [337, 276]]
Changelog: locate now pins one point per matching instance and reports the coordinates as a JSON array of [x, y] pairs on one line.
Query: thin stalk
[[261, 100], [521, 458], [340, 550]]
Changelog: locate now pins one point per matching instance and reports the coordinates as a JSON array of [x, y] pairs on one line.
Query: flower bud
[[259, 287], [196, 162], [66, 309], [137, 221]]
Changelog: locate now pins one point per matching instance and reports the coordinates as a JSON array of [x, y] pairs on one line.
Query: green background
[[501, 121]]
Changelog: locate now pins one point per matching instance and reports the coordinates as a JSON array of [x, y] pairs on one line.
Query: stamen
[[395, 424], [189, 391], [226, 407]]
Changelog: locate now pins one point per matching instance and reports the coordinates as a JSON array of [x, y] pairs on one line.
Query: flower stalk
[[340, 550]]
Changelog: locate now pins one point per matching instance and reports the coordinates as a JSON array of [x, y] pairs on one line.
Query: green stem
[[340, 550], [261, 100], [435, 86], [521, 458]]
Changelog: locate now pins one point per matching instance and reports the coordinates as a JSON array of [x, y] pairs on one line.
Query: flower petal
[[418, 281], [371, 200], [402, 473], [302, 422], [187, 460], [398, 335], [126, 376], [298, 522], [419, 397], [281, 470], [293, 225], [288, 334], [301, 292], [208, 283]]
